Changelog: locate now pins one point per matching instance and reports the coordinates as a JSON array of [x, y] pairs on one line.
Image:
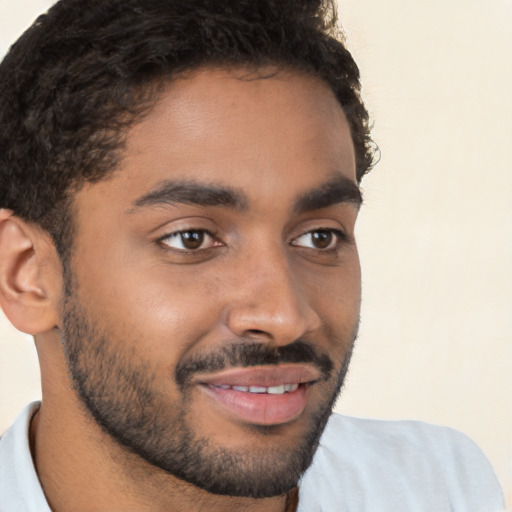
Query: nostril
[[256, 332]]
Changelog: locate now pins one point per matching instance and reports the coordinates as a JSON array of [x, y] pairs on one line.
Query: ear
[[30, 275]]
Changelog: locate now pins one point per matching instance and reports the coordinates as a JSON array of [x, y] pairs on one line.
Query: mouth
[[270, 390], [260, 395]]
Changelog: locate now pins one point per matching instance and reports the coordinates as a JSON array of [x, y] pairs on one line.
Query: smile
[[271, 390], [265, 395]]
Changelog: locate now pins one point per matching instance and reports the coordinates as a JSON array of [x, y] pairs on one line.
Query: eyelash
[[338, 235], [179, 234]]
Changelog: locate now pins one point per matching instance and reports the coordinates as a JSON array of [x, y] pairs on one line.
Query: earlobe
[[29, 275]]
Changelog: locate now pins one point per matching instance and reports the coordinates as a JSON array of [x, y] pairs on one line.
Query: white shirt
[[360, 466]]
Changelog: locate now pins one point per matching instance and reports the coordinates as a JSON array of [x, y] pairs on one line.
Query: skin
[[259, 278]]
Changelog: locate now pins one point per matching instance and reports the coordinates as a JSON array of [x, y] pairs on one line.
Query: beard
[[121, 391]]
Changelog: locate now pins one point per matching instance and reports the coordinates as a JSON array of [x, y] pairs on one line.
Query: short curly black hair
[[75, 81]]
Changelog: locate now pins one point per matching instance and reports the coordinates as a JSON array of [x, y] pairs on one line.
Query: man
[[179, 188]]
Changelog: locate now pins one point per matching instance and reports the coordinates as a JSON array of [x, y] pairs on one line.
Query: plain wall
[[435, 232]]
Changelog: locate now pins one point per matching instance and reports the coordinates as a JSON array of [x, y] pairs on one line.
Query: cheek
[[153, 307], [337, 300], [335, 292]]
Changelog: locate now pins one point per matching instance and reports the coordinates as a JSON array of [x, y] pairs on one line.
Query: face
[[213, 291]]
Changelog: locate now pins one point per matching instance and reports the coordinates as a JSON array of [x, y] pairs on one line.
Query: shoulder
[[20, 489], [402, 440], [401, 465]]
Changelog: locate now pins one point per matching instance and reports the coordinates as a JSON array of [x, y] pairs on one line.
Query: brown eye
[[320, 239], [190, 240]]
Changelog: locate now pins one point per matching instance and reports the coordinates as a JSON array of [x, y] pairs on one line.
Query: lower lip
[[260, 408]]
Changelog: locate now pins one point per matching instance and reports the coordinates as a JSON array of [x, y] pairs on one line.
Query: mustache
[[247, 354]]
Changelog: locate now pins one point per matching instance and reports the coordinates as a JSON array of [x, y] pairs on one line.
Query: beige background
[[435, 233]]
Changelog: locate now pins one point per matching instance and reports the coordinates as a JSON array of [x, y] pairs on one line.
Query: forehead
[[240, 129]]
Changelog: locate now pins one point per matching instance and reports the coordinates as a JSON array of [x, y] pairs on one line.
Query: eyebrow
[[190, 192], [339, 190]]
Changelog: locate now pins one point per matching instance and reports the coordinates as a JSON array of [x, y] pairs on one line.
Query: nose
[[270, 303]]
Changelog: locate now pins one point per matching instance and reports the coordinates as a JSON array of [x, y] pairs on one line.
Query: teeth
[[257, 389], [275, 390], [271, 390]]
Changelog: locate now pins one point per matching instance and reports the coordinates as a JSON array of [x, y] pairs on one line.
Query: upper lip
[[265, 376]]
